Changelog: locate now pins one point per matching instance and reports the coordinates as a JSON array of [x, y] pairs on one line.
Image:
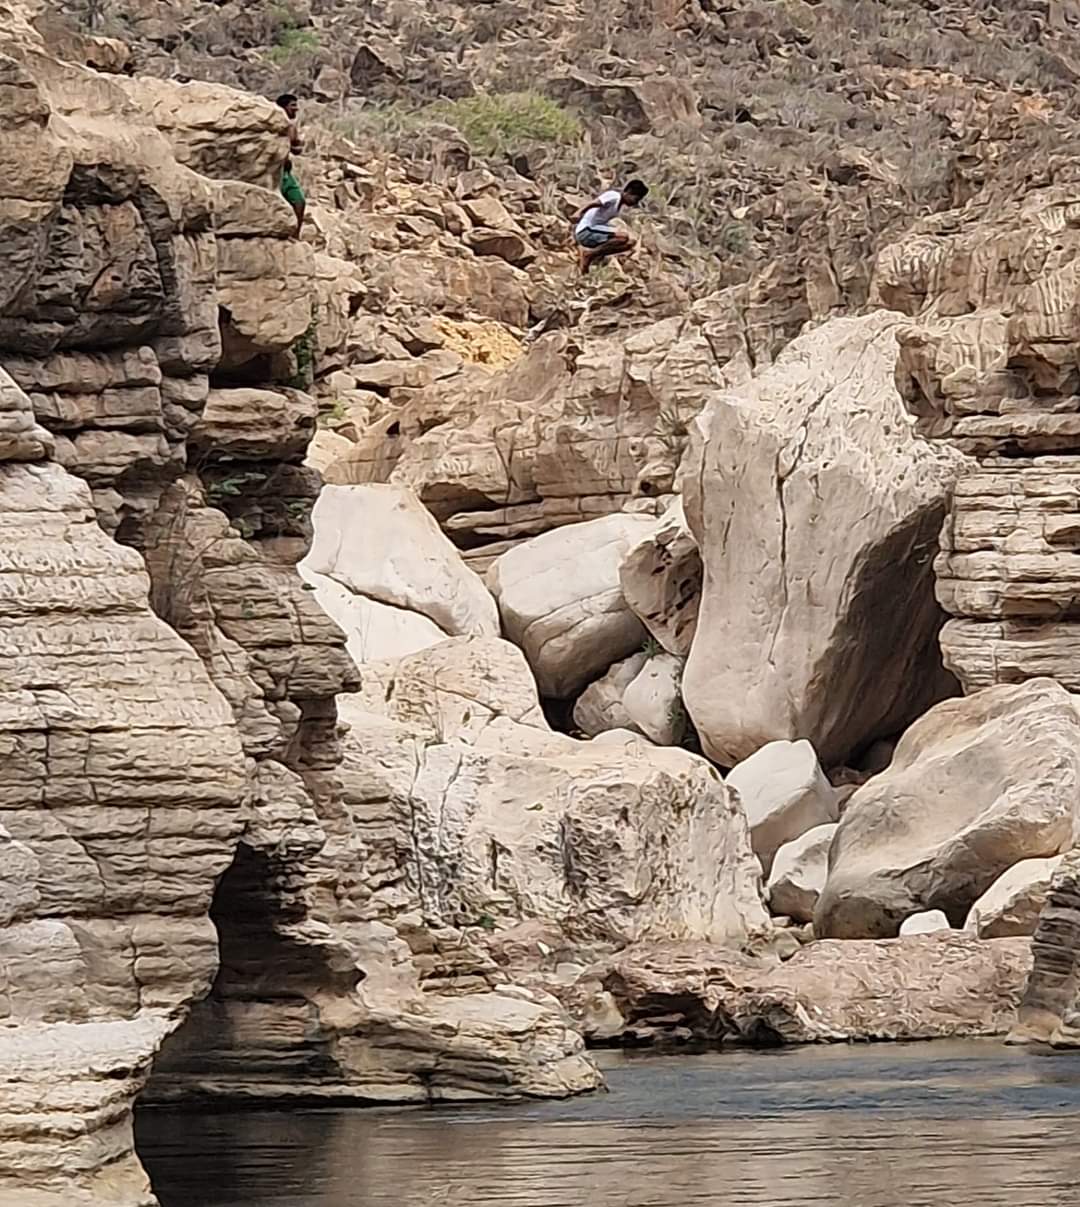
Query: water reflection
[[878, 1126]]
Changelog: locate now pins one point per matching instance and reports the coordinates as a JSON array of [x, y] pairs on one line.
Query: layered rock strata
[[174, 826], [988, 363]]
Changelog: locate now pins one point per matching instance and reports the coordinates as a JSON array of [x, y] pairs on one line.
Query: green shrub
[[292, 43], [493, 124]]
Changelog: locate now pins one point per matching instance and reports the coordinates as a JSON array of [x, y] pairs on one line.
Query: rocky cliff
[[175, 825]]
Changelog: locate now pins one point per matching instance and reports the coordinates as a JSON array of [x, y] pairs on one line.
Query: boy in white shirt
[[593, 233]]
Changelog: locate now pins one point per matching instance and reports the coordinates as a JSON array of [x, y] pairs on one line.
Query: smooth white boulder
[[1012, 904], [798, 873], [374, 631], [381, 542], [784, 793], [974, 786], [561, 601], [926, 923]]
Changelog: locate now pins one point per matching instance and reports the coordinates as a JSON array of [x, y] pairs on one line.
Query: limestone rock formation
[[784, 793], [1012, 904], [653, 700], [816, 509], [975, 786], [560, 600], [986, 364], [925, 987], [661, 581], [381, 544], [568, 430], [799, 869], [613, 840], [1048, 1011], [600, 706]]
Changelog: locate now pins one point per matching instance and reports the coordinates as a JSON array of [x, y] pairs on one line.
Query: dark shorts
[[291, 190], [592, 238]]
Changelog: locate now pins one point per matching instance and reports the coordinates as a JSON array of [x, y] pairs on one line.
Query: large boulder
[[560, 600], [784, 793], [798, 873], [500, 821], [975, 786], [1013, 903], [382, 543], [817, 510]]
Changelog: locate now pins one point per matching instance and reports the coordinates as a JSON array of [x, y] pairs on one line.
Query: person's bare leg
[[620, 245], [299, 210]]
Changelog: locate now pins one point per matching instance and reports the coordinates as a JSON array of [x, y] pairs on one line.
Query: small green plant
[[337, 413], [231, 487], [303, 354], [651, 648], [244, 526], [734, 237], [298, 510], [293, 43], [495, 124]]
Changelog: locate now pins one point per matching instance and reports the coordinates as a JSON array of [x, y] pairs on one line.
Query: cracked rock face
[[816, 509], [496, 817]]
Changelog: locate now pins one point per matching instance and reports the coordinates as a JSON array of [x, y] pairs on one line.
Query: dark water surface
[[921, 1125]]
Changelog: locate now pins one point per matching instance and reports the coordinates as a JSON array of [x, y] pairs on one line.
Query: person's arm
[[593, 205], [296, 143]]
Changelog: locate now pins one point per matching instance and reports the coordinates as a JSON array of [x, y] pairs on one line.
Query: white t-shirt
[[598, 217]]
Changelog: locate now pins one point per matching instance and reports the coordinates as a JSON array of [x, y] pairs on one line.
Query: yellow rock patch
[[480, 343]]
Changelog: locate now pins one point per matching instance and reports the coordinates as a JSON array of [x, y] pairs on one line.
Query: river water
[[919, 1125]]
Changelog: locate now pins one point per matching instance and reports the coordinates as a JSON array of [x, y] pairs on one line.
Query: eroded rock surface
[[816, 509], [925, 987], [498, 818], [975, 786]]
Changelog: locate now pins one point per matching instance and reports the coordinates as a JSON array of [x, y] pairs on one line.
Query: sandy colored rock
[[560, 600], [925, 987], [784, 793], [612, 840], [798, 873], [654, 702], [600, 706], [374, 631], [816, 508], [975, 786], [661, 581], [219, 131], [381, 542], [1012, 904]]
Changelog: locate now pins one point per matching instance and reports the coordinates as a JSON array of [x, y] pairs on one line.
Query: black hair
[[638, 188], [287, 98]]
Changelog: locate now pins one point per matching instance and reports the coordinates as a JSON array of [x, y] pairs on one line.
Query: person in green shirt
[[290, 186]]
